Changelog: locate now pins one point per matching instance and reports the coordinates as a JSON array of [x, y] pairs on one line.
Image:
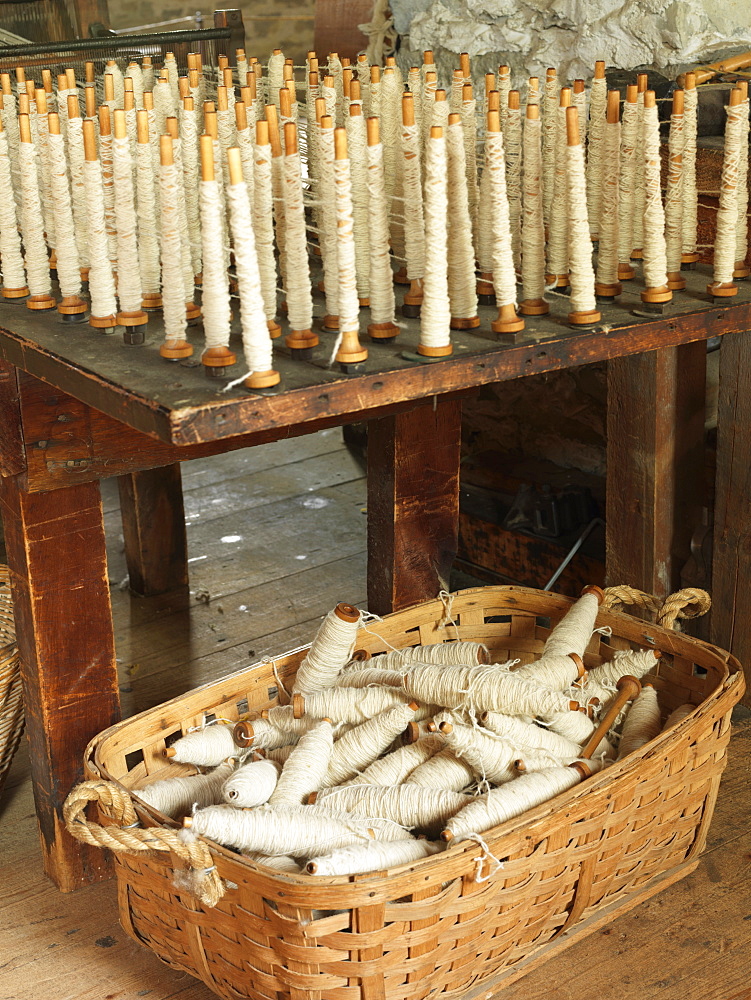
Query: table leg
[[413, 504], [156, 550], [56, 554], [731, 562], [655, 463]]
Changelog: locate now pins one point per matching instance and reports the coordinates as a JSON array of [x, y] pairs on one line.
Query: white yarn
[[598, 100], [408, 805], [556, 671], [328, 655], [128, 273], [280, 754], [105, 158], [215, 298], [375, 99], [173, 283], [175, 796], [727, 213], [244, 139], [32, 225], [279, 862], [118, 82], [297, 274], [154, 147], [414, 222], [449, 653], [135, 73], [78, 189], [263, 227], [349, 307], [283, 717], [654, 265], [579, 101], [456, 97], [504, 277], [558, 221], [148, 240], [361, 746], [251, 784], [275, 79], [429, 88], [581, 272], [490, 756], [503, 87], [190, 157], [639, 179], [206, 747], [101, 278], [678, 714], [414, 83], [574, 726], [741, 234], [627, 182], [148, 76], [369, 677], [170, 64], [363, 75], [690, 201], [372, 857], [469, 126], [10, 126], [551, 100], [526, 736], [327, 238], [462, 286], [10, 241], [435, 315], [68, 272], [294, 830], [382, 301], [484, 225], [164, 107], [674, 196], [306, 766], [48, 208], [512, 143], [642, 722], [270, 736], [533, 231], [574, 630], [442, 770], [636, 662], [396, 766], [225, 120], [440, 115], [255, 332], [352, 704], [356, 146], [607, 251]]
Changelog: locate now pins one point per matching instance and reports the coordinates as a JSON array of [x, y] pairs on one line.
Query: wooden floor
[[277, 536]]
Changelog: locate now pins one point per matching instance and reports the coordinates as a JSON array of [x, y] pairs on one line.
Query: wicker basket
[[11, 704], [431, 928]]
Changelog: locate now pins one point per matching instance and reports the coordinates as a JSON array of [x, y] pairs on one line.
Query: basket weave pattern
[[11, 703], [431, 927]]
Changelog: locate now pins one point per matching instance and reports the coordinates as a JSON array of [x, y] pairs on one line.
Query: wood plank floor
[[276, 536]]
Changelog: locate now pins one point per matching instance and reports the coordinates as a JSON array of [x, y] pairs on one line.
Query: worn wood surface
[[178, 404], [154, 530], [413, 504], [12, 457], [731, 572], [336, 27], [56, 553], [654, 464]]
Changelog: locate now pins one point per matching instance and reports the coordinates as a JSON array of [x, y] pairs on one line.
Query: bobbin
[[689, 258]]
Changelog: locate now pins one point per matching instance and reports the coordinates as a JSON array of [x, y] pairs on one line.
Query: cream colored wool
[[504, 87], [674, 197], [270, 736], [414, 83], [558, 219], [484, 226], [32, 224], [279, 862], [462, 286], [221, 176], [626, 192], [574, 630], [607, 251], [291, 830], [512, 144], [533, 231], [654, 264], [361, 746], [642, 723], [78, 188], [48, 209], [358, 164], [428, 103], [727, 213], [372, 857], [10, 241], [251, 784], [414, 221], [504, 275], [281, 754], [176, 796], [155, 158], [484, 688], [353, 704], [690, 201], [439, 117], [639, 192], [574, 726], [282, 717], [68, 271], [164, 107], [105, 158], [10, 125], [425, 809], [382, 302], [442, 770], [396, 766], [135, 73], [469, 127], [255, 332], [678, 715], [117, 82], [579, 101], [275, 79], [327, 219], [225, 122], [128, 270], [636, 662], [449, 653], [349, 306], [551, 100], [215, 297], [363, 75], [489, 756], [741, 233], [205, 747], [263, 228], [554, 671], [148, 239], [435, 315], [189, 141], [306, 766], [335, 69], [101, 278], [596, 162], [148, 76], [329, 96], [513, 799], [329, 653], [526, 736], [173, 278], [368, 677]]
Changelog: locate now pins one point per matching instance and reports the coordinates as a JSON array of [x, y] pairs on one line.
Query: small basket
[[440, 925], [11, 703]]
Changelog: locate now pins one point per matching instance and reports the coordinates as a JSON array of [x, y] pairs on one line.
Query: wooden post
[[151, 504], [731, 564], [61, 598], [413, 503], [655, 461]]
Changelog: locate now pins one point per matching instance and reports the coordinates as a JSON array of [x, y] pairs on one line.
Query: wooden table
[[77, 406]]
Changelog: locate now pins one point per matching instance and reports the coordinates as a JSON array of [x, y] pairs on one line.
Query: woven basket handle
[[687, 603], [623, 596], [125, 836]]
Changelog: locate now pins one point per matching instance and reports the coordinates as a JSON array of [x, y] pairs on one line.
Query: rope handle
[[624, 596], [682, 605], [126, 837]]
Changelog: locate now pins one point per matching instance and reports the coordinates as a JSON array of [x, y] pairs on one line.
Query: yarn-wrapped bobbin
[[347, 704], [678, 715], [330, 651], [442, 770], [527, 736], [636, 662], [399, 764], [279, 862], [422, 808], [642, 723], [368, 677], [175, 796], [306, 766], [371, 857], [262, 733], [490, 756], [554, 671], [251, 784], [574, 630], [458, 654], [363, 744], [205, 747]]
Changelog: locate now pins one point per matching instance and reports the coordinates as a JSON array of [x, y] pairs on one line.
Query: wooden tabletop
[[176, 403]]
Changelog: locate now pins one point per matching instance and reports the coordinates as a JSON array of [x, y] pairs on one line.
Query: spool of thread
[[442, 770], [359, 747], [306, 766], [425, 809], [205, 747], [396, 766], [330, 651], [176, 796], [252, 784], [642, 723], [371, 857]]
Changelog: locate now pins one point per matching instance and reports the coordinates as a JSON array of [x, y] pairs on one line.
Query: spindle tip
[[360, 656], [592, 588], [600, 69], [311, 868], [187, 822], [298, 706], [243, 734], [572, 126], [629, 683], [446, 728], [170, 752], [347, 613], [446, 836], [312, 798], [414, 705]]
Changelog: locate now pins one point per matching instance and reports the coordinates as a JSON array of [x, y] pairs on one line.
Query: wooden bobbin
[[727, 289], [676, 281], [213, 359], [90, 154], [351, 351], [130, 320], [654, 299], [151, 301], [625, 271], [296, 340], [534, 307], [605, 290], [690, 258], [378, 331], [44, 301], [172, 350], [243, 734], [411, 734], [641, 88]]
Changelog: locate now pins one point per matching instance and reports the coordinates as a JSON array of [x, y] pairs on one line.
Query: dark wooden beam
[[413, 504], [61, 599], [12, 457], [336, 27], [156, 548]]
